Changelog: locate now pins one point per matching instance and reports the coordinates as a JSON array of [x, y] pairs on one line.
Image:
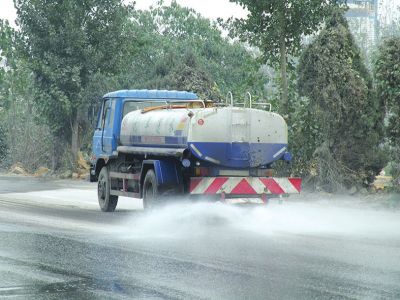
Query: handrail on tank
[[250, 100], [257, 103], [265, 104], [231, 96]]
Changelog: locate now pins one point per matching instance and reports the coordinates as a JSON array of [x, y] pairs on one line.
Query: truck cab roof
[[152, 95]]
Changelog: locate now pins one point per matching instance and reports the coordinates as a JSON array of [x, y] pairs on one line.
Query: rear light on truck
[[269, 172], [201, 171], [262, 173]]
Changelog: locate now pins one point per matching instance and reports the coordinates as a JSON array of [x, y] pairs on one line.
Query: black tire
[[107, 202], [151, 193]]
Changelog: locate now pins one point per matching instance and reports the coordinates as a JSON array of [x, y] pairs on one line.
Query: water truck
[[157, 144]]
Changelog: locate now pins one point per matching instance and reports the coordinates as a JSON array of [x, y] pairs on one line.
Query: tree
[[8, 39], [387, 75], [186, 74], [345, 107], [17, 112], [66, 43], [3, 144], [277, 27], [180, 49]]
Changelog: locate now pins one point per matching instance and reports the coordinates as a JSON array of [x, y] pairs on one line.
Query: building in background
[[363, 18]]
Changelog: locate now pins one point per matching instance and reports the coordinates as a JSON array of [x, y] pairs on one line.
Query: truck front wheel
[[107, 202], [150, 191]]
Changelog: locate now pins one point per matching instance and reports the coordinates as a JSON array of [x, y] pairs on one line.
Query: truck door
[[104, 137]]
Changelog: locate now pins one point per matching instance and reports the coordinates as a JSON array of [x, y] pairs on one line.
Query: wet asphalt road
[[56, 244]]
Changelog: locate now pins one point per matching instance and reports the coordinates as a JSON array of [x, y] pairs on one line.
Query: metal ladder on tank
[[229, 102]]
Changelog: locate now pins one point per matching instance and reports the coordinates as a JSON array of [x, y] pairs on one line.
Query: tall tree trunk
[[11, 121], [283, 58], [75, 138], [284, 82], [54, 156], [58, 152]]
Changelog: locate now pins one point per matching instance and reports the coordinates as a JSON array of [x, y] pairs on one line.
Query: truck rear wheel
[[107, 202], [151, 195]]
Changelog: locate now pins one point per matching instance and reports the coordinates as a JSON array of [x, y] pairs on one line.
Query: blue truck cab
[[123, 174], [115, 106]]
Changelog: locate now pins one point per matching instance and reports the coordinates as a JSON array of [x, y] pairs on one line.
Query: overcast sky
[[208, 8], [7, 10]]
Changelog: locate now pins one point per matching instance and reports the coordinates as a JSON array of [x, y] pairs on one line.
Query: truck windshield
[[131, 105], [135, 105]]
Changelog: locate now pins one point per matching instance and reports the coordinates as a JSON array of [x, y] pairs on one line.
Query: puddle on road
[[324, 217]]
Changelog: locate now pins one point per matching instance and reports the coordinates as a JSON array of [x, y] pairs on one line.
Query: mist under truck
[[153, 144]]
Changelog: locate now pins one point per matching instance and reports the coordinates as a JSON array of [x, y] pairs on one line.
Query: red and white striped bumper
[[244, 185]]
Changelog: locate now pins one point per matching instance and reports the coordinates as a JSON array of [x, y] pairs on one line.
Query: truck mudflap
[[251, 186]]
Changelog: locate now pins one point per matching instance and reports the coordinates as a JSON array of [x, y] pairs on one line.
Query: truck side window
[[100, 118], [105, 112], [111, 113]]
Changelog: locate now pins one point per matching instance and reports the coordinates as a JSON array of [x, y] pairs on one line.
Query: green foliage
[[69, 53], [3, 144], [179, 49], [7, 40], [7, 59], [348, 114], [26, 141], [270, 21], [277, 27], [66, 43], [304, 136], [186, 75], [393, 169], [387, 74]]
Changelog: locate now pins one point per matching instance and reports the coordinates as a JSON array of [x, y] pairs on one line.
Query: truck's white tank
[[228, 136]]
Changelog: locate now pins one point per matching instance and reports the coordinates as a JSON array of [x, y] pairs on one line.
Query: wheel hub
[[102, 189]]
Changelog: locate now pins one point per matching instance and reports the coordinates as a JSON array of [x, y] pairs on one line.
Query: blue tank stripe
[[160, 141], [239, 155]]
